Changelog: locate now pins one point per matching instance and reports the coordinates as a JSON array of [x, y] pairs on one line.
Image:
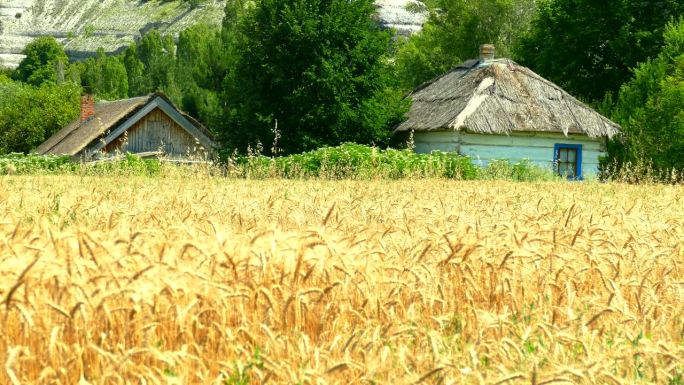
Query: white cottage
[[496, 109]]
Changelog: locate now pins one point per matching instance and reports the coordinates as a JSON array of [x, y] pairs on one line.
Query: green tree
[[318, 68], [651, 108], [45, 60], [5, 74], [135, 71], [4, 79], [105, 76], [150, 65], [29, 115], [454, 32], [190, 72], [200, 70], [157, 53], [590, 46]]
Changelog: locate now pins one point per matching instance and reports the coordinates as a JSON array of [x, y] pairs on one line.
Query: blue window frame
[[567, 160]]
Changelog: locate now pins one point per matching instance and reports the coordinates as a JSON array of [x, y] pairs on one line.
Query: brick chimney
[[487, 52], [87, 107]]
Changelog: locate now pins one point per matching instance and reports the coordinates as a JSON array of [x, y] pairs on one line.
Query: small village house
[[143, 125], [491, 108]]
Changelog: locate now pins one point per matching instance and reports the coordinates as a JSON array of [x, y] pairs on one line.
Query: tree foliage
[[318, 68], [202, 63], [589, 47], [190, 72], [454, 32], [45, 62], [40, 100], [651, 108], [104, 75], [152, 64], [30, 114]]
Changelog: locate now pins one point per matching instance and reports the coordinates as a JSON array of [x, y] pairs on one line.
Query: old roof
[[109, 116], [500, 97]]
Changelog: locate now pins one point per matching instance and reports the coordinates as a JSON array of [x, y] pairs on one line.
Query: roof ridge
[[103, 101], [458, 98]]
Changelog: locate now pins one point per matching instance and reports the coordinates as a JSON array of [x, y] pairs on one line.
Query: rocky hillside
[[84, 25], [406, 16]]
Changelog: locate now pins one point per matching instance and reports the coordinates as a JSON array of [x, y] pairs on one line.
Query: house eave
[[522, 133]]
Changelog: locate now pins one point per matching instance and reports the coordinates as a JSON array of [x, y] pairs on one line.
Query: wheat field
[[217, 281]]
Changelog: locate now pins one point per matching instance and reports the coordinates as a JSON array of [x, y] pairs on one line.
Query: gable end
[[170, 111]]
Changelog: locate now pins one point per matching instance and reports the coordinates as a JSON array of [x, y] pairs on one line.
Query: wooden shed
[[138, 125], [491, 108]]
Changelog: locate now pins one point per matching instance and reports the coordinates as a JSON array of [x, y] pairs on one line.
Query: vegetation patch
[[348, 161]]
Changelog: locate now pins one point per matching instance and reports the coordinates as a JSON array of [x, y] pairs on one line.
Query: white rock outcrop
[[85, 25], [405, 16]]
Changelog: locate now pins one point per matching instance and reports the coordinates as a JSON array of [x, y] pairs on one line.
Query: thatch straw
[[499, 97]]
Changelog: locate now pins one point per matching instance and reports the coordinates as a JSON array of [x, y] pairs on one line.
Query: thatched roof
[[500, 97], [77, 136]]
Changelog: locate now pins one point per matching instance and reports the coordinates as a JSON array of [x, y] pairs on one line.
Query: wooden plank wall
[[537, 148], [155, 132]]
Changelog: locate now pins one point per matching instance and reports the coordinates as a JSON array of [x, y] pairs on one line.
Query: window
[[568, 160]]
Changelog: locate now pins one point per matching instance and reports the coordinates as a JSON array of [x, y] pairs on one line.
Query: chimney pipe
[[487, 52], [87, 107]]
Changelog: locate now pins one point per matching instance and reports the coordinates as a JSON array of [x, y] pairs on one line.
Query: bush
[[129, 164], [17, 163], [523, 171], [650, 109], [348, 161], [29, 115], [32, 164], [353, 161]]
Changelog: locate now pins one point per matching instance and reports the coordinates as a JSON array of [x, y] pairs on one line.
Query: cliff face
[[405, 16], [83, 26]]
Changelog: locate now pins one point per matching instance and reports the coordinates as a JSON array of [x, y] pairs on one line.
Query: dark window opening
[[568, 160]]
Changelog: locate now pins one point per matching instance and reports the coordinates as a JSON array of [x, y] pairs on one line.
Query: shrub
[[523, 171], [32, 164], [348, 161], [17, 163], [354, 161]]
